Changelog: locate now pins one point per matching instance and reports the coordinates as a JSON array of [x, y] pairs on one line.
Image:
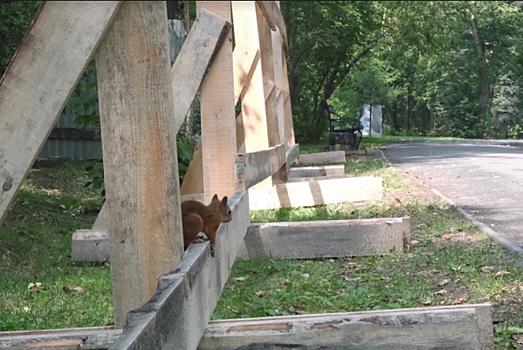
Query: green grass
[[449, 248], [35, 244], [449, 262], [369, 143]]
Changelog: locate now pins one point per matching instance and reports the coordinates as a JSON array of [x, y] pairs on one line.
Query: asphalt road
[[483, 178]]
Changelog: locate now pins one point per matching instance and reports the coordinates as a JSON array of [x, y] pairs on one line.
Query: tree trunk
[[484, 86], [408, 107]]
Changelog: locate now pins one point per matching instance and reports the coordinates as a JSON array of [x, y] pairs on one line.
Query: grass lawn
[[450, 261]]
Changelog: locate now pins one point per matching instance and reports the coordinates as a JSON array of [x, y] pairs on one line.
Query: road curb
[[487, 230], [484, 228]]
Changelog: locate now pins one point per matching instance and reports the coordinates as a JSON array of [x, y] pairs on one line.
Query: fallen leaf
[[231, 309], [260, 293], [501, 273], [428, 302], [397, 199], [347, 279], [441, 292], [78, 289], [487, 268], [520, 340], [240, 279], [305, 275], [26, 309], [331, 260], [443, 283], [285, 282], [34, 287], [459, 301], [457, 177]]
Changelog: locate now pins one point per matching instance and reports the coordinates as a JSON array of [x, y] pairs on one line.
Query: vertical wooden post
[[140, 158], [270, 85], [253, 104], [287, 107], [218, 137]]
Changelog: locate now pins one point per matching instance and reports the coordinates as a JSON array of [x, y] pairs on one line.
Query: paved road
[[484, 179]]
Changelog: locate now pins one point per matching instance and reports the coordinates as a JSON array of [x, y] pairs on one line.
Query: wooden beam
[[177, 316], [194, 60], [312, 193], [218, 118], [253, 103], [252, 168], [63, 339], [326, 239], [245, 63], [272, 14], [291, 155], [140, 157], [315, 326], [451, 327], [40, 79], [199, 52]]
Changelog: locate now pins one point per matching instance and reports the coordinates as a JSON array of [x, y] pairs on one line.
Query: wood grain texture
[[433, 328], [272, 13], [218, 136], [101, 338], [252, 168], [177, 315], [253, 104], [89, 338], [188, 71], [326, 239], [311, 193], [39, 80], [140, 154]]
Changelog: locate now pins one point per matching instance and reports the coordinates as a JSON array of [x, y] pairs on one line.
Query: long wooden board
[[254, 167], [273, 15], [218, 118], [140, 153], [326, 238], [40, 79], [190, 68], [177, 315], [465, 327], [302, 329]]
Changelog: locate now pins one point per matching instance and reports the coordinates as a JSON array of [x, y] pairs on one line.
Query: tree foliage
[[437, 68]]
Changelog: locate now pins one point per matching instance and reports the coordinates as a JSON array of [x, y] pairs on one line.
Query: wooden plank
[[304, 194], [326, 238], [442, 328], [268, 74], [191, 65], [253, 103], [40, 79], [323, 157], [278, 57], [64, 339], [291, 156], [245, 63], [218, 118], [139, 145], [252, 168], [177, 316], [102, 337], [273, 15], [199, 52], [312, 171]]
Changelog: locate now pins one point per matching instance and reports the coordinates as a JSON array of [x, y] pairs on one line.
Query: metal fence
[[69, 139]]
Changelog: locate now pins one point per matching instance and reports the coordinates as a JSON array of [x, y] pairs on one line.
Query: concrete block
[[311, 193], [90, 245], [325, 239], [322, 158], [315, 171]]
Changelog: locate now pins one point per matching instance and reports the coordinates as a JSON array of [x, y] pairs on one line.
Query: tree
[[15, 18], [327, 40]]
